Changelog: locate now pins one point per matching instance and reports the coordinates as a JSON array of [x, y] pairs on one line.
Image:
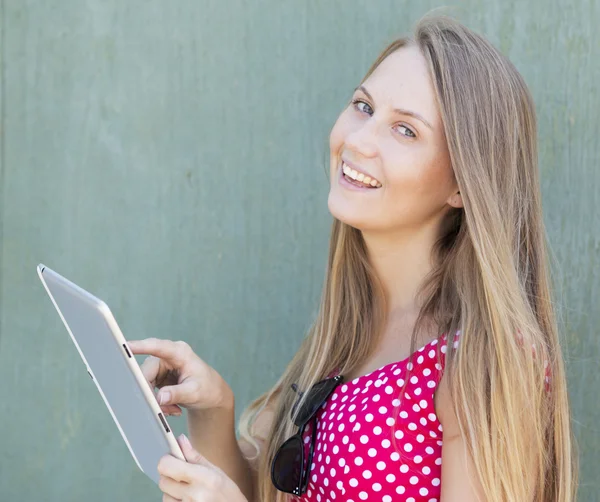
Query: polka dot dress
[[377, 443]]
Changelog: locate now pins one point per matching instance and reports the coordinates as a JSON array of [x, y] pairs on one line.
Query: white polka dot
[[352, 418], [409, 366], [426, 470], [363, 495], [389, 389], [395, 456], [418, 459], [423, 491], [400, 382], [381, 465], [331, 436], [426, 372], [414, 480], [336, 448], [408, 447], [400, 490], [390, 478], [367, 474], [420, 359], [404, 468], [378, 383], [403, 414], [432, 417], [410, 499], [432, 353], [351, 448], [443, 349], [383, 410], [396, 402], [346, 469], [435, 482], [364, 439], [429, 450], [412, 427], [369, 417], [399, 434], [372, 452], [418, 391], [387, 498], [376, 487], [431, 384], [345, 439], [327, 459], [385, 443], [353, 482], [377, 430], [423, 403], [414, 379], [423, 421], [438, 461], [358, 461], [416, 408], [342, 462], [356, 427], [326, 481], [341, 428]]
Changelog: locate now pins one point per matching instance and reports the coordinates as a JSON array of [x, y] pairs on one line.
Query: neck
[[402, 260]]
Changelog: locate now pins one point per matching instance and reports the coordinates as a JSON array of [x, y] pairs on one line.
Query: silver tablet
[[115, 372]]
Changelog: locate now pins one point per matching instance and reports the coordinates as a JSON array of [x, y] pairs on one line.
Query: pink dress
[[378, 445]]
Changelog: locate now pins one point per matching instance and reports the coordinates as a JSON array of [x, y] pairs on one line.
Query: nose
[[362, 140]]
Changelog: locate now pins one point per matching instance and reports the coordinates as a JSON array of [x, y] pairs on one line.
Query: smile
[[357, 178]]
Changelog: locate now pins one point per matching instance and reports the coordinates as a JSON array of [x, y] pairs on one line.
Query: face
[[401, 154]]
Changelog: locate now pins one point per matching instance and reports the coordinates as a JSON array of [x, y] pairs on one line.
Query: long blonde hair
[[491, 281]]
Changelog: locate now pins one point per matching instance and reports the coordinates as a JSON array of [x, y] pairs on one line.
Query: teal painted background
[[170, 156]]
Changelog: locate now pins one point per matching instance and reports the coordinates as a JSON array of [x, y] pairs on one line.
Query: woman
[[437, 243]]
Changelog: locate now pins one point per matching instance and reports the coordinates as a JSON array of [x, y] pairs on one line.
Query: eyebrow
[[398, 110]]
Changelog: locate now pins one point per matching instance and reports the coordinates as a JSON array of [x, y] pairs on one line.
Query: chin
[[340, 210]]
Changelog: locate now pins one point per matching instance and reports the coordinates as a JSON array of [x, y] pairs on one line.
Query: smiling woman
[[437, 242], [437, 231]]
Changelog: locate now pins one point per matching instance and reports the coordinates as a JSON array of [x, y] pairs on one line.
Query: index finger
[[164, 349]]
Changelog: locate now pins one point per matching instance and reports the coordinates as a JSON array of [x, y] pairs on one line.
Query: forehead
[[402, 81]]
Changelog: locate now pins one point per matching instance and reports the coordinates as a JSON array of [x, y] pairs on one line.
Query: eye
[[409, 133], [357, 102]]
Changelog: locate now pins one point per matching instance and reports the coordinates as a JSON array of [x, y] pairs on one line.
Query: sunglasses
[[289, 472]]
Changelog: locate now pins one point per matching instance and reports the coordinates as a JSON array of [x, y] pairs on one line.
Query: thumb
[[182, 393], [190, 454]]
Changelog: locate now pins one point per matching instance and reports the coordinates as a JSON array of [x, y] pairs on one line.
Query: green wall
[[170, 156]]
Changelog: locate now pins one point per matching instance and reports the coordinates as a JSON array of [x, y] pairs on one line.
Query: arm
[[459, 480], [213, 433]]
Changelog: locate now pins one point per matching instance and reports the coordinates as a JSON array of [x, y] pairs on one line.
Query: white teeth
[[355, 175]]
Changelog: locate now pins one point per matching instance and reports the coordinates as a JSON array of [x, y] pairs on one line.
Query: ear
[[455, 200]]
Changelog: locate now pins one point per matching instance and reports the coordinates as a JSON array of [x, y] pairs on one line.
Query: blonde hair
[[491, 281]]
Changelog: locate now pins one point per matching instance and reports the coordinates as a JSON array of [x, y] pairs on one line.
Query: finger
[[173, 488], [184, 393], [168, 498], [190, 453], [151, 369], [170, 351], [171, 410], [176, 469]]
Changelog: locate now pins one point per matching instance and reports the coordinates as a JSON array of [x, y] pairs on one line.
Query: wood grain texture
[[171, 156]]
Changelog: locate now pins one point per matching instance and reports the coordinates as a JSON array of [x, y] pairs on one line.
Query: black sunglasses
[[289, 473]]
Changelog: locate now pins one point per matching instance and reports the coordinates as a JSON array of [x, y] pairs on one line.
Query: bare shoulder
[[444, 408], [261, 430]]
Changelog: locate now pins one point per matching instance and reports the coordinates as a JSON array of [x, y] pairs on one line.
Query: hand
[[181, 377], [196, 480]]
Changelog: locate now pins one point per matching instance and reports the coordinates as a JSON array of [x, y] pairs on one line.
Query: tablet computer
[[114, 370]]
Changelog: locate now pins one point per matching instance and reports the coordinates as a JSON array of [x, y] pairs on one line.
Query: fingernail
[[165, 397], [185, 440]]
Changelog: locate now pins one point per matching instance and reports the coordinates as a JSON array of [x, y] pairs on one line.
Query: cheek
[[339, 131]]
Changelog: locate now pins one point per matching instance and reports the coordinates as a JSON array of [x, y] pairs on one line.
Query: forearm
[[212, 433]]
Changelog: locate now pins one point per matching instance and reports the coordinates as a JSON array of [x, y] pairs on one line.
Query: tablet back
[[115, 371]]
